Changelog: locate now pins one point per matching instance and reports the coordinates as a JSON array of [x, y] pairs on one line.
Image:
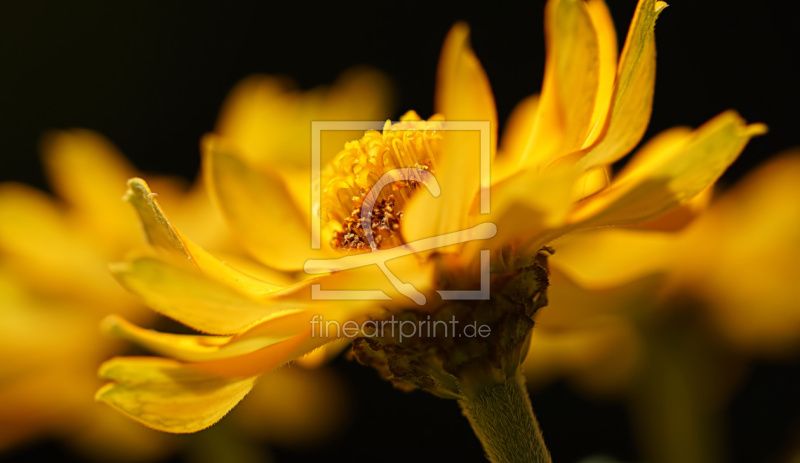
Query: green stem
[[502, 417]]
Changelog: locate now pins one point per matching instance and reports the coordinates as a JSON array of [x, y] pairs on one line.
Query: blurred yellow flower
[[670, 318], [549, 176], [55, 289], [730, 273]]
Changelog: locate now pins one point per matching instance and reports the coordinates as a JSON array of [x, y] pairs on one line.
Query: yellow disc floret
[[354, 172]]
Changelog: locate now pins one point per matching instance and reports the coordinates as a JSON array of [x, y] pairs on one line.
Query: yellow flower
[[731, 271], [664, 318], [549, 176], [55, 290]]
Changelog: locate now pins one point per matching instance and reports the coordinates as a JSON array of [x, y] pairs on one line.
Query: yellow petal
[[269, 121], [167, 395], [162, 235], [188, 348], [528, 204], [670, 170], [570, 83], [683, 215], [591, 181], [38, 241], [304, 407], [587, 335], [612, 256], [463, 93], [265, 359], [259, 208], [633, 90], [755, 232], [88, 172], [258, 117], [160, 232], [31, 225], [193, 299], [276, 342], [607, 72], [193, 213], [359, 94], [515, 138]]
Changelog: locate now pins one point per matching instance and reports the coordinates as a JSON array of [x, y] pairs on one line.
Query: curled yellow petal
[[570, 83], [160, 232], [632, 101], [252, 352], [164, 236], [265, 359], [607, 55], [167, 395], [186, 347], [195, 300]]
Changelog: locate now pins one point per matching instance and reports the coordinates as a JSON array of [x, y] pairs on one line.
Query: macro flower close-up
[[55, 253], [674, 333], [496, 235]]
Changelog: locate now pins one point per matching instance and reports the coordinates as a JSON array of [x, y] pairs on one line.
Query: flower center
[[368, 210]]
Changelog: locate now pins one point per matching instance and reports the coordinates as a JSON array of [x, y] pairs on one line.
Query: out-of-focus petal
[[295, 406], [88, 172], [463, 93], [268, 120], [359, 94], [528, 204], [38, 242], [751, 283], [588, 335], [257, 117], [670, 170], [599, 358], [591, 182], [612, 256], [167, 395], [260, 209], [515, 137]]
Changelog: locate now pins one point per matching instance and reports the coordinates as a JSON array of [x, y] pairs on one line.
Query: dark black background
[[151, 77]]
